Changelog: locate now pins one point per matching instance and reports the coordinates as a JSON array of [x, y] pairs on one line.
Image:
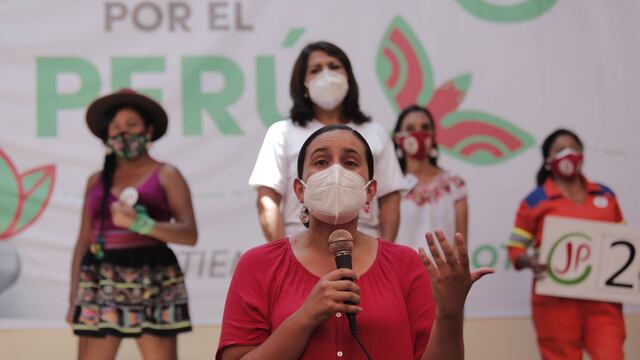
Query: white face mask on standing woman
[[328, 89], [335, 195]]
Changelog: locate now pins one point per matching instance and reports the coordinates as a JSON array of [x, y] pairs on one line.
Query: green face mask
[[127, 146]]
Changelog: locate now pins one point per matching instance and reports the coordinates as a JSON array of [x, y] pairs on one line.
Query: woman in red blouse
[[288, 301]]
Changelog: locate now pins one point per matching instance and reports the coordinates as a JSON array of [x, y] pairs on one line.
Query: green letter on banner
[[122, 70], [215, 103], [47, 98], [266, 90]]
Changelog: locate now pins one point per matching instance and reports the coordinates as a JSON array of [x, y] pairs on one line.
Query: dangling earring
[[367, 207], [108, 150], [547, 166], [304, 215], [433, 153], [148, 144], [399, 153]]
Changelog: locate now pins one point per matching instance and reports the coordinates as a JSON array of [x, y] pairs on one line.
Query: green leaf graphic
[[23, 198], [9, 194], [292, 37], [480, 138], [523, 11], [37, 185], [402, 66], [406, 77]]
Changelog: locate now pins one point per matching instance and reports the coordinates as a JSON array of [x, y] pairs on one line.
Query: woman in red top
[[567, 326], [288, 301]]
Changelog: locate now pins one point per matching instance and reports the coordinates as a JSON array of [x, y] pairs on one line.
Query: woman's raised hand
[[451, 278]]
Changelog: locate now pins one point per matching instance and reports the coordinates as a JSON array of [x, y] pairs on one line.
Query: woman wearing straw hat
[[125, 280]]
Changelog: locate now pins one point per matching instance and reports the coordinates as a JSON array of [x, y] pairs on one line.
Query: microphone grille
[[340, 240]]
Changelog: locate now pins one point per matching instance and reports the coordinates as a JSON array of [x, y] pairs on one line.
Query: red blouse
[[269, 284]]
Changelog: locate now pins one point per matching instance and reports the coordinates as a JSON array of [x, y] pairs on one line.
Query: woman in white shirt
[[324, 92], [436, 199]]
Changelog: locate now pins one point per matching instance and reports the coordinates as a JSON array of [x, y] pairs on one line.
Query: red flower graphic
[[473, 136]]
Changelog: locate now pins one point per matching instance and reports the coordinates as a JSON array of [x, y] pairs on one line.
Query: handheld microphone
[[341, 245]]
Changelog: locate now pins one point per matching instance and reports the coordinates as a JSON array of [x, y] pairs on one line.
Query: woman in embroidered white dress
[[436, 198]]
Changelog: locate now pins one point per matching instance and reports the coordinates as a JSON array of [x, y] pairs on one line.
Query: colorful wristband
[[142, 224]]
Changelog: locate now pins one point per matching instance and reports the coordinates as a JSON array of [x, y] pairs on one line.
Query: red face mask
[[416, 144], [565, 164]]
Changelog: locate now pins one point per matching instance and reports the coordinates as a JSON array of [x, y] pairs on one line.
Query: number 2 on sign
[[621, 265], [632, 255]]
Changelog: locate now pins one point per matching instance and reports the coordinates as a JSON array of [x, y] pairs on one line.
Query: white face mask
[[328, 89], [335, 195]]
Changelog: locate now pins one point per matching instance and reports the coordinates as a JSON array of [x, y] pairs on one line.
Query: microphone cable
[[364, 350], [341, 245]]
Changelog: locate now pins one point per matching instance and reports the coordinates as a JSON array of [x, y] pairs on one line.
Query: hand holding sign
[[525, 261]]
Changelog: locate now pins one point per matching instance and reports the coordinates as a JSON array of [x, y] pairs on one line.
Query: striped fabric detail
[[138, 330], [120, 285], [520, 238]]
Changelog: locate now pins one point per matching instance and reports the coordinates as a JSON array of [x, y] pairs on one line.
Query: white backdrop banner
[[498, 75]]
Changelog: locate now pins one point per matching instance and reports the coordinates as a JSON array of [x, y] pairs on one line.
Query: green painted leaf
[[522, 11], [292, 37], [402, 66], [480, 138], [9, 194], [37, 185]]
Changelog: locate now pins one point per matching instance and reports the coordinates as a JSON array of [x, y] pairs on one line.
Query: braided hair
[[109, 167]]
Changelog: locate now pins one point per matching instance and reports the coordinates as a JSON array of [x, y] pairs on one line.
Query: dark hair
[[302, 110], [408, 110], [328, 128], [109, 167], [544, 173], [111, 114]]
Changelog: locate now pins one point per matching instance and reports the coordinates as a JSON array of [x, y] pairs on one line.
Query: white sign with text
[[591, 260]]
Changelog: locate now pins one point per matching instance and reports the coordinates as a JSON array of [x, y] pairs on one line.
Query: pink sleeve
[[245, 320], [421, 308]]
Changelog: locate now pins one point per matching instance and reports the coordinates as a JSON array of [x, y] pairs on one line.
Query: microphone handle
[[344, 262]]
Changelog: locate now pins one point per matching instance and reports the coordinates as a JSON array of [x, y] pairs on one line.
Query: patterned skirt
[[130, 292]]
